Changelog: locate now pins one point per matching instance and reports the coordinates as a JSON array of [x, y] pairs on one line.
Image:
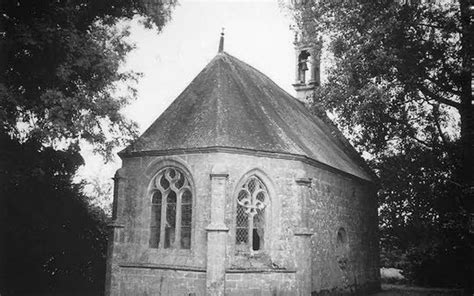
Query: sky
[[256, 32]]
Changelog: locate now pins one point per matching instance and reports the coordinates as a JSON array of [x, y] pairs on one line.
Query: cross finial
[[221, 42]]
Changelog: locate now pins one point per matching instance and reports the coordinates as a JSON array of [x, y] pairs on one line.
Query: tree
[[101, 193], [60, 84], [54, 240], [59, 69], [400, 87], [419, 219]]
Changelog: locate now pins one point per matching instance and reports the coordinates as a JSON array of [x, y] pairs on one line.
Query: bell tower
[[307, 65]]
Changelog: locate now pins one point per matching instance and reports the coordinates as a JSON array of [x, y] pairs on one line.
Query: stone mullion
[[177, 240], [164, 206]]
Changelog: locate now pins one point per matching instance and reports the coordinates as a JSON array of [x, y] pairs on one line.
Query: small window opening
[[303, 59], [341, 249], [341, 237]]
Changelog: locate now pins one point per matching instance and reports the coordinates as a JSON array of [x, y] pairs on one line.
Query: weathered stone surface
[[216, 236], [333, 201]]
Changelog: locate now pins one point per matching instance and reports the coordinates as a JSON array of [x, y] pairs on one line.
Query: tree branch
[[424, 143], [437, 27], [438, 125], [444, 87], [429, 93]]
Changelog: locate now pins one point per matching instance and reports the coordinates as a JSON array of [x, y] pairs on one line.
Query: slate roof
[[232, 105]]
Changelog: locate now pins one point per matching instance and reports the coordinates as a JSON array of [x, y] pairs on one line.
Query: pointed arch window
[[171, 210], [252, 200]]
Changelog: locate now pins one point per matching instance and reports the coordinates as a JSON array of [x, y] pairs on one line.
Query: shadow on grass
[[403, 290], [88, 293]]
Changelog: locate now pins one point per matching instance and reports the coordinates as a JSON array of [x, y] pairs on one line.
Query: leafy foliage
[[100, 192], [60, 69], [419, 218], [54, 240], [400, 88], [60, 84], [396, 68]]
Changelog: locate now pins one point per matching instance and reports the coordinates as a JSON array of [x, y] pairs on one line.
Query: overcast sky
[[256, 32]]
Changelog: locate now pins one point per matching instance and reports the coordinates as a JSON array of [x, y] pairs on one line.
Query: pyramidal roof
[[231, 105]]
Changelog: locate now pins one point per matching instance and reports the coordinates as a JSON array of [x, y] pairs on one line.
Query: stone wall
[[260, 284], [149, 281], [335, 201], [341, 202]]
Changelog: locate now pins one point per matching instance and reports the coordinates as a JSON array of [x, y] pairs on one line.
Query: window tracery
[[171, 210], [252, 200]]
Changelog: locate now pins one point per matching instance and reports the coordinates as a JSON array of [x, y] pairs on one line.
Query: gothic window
[[171, 210], [252, 200]]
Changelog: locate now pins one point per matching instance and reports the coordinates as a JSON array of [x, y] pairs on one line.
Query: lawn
[[402, 290]]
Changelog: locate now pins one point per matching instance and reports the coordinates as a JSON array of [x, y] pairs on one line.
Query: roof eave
[[271, 154]]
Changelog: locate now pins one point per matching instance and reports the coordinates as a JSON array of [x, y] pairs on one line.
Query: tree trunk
[[467, 134]]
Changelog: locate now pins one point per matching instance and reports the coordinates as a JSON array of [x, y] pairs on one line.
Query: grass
[[403, 290]]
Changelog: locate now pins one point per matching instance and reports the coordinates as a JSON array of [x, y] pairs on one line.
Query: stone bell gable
[[236, 189]]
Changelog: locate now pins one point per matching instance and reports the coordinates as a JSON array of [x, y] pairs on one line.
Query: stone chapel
[[237, 189]]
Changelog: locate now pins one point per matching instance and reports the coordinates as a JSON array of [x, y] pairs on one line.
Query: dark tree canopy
[[398, 69], [60, 84], [52, 239], [399, 85], [59, 69]]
